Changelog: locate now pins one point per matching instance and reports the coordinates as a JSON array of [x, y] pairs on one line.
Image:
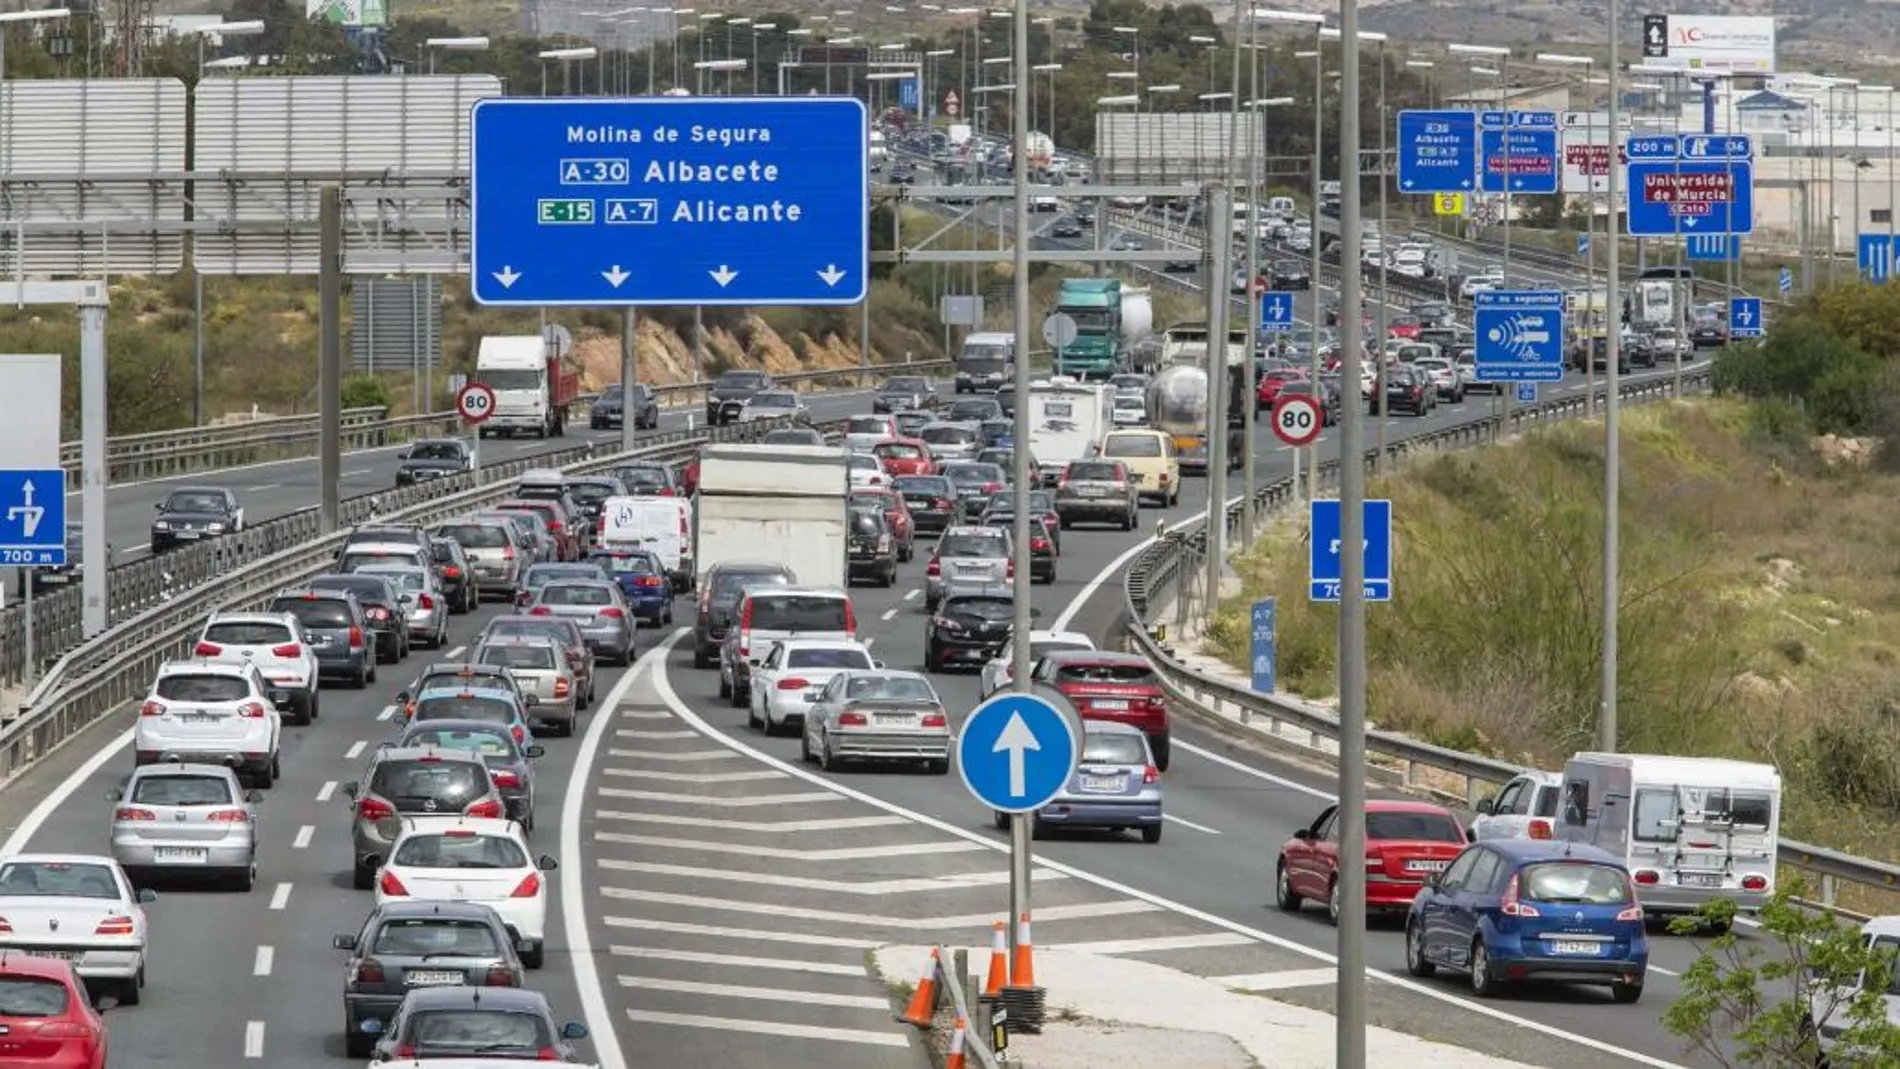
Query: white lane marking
[[894, 886], [628, 733], [774, 826], [575, 893], [140, 548], [1245, 769], [775, 1029], [646, 714], [747, 961], [764, 994], [262, 488], [1172, 819], [842, 853], [889, 614], [976, 922], [388, 711], [913, 595], [700, 800], [836, 942], [748, 776], [688, 755], [280, 897], [254, 1039], [1280, 981], [454, 653], [665, 688], [356, 749], [266, 956], [304, 835], [324, 792], [353, 472], [22, 836], [1666, 972], [1155, 944]]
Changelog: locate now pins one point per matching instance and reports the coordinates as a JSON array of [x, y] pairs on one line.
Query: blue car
[[642, 579], [1514, 910]]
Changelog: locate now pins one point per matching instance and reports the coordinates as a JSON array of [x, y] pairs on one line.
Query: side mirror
[[350, 789], [1304, 835], [812, 698], [147, 896], [1471, 835], [573, 1030], [254, 797], [374, 861], [877, 664], [159, 507], [546, 863], [535, 751], [1035, 613], [115, 794], [1487, 806], [402, 697], [343, 942]]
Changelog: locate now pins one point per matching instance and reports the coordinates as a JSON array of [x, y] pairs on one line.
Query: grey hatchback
[[413, 781], [338, 630], [510, 763], [476, 1023], [403, 946]]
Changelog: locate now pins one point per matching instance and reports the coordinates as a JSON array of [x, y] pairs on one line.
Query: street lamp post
[[1385, 293], [758, 28], [1050, 69], [1256, 134], [1502, 74], [1560, 59], [219, 31]]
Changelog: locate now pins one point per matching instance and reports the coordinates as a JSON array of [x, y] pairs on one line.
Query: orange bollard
[[922, 1010], [999, 964], [1023, 972], [955, 1059]]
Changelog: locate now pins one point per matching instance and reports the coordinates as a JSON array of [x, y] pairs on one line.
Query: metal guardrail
[[134, 457], [117, 665], [1154, 574]]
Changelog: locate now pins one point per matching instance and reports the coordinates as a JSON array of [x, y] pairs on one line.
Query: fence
[[1155, 574]]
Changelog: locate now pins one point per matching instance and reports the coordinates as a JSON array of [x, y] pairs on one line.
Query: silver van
[[495, 555], [769, 615], [540, 668]]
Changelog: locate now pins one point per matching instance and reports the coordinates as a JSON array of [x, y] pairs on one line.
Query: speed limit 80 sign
[[475, 402], [1297, 420]]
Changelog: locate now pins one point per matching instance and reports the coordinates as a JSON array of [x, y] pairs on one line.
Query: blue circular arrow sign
[[1016, 752]]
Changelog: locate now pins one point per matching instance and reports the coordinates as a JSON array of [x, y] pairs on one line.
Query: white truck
[[1689, 828], [533, 387], [1067, 420], [780, 502]]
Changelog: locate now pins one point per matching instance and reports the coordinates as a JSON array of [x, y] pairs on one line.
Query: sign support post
[[329, 361], [475, 402]]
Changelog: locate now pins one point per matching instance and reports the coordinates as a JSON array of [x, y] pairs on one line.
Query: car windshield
[[984, 546], [582, 594], [983, 607], [1132, 445], [533, 658], [827, 658], [928, 485], [1415, 827], [897, 688], [907, 385], [740, 380], [248, 633], [799, 612], [480, 1030], [474, 535], [194, 501], [203, 688], [182, 790], [58, 879], [484, 743], [1124, 675], [424, 937], [729, 583], [1113, 750], [1575, 882], [775, 400], [25, 996], [317, 613], [463, 850], [509, 378], [465, 707], [491, 677], [435, 451], [366, 588]]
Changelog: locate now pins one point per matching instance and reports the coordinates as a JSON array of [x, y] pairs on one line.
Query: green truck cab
[[1096, 306]]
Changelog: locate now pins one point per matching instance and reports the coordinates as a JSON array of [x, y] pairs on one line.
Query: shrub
[[366, 391]]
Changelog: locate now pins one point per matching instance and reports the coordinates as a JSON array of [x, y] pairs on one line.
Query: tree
[[1762, 1002]]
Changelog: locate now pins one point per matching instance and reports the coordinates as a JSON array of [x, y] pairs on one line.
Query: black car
[[194, 513], [731, 391], [610, 408], [409, 943], [871, 547], [382, 604], [1328, 396], [974, 410], [1289, 275], [931, 499], [1182, 267], [433, 458], [1409, 391], [903, 174], [719, 595], [994, 433], [969, 628], [904, 393], [590, 492], [649, 478], [974, 483], [1433, 315], [455, 574], [478, 1022], [1066, 227], [1709, 334]]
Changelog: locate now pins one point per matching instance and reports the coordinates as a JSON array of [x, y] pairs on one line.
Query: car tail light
[[1039, 545], [288, 649], [554, 526], [540, 610], [547, 1054], [1011, 573], [613, 614], [1539, 829], [934, 568], [943, 503], [793, 684], [459, 833], [666, 491], [653, 580], [62, 1030], [1151, 774], [1634, 913], [252, 711], [392, 886], [992, 488], [529, 886], [378, 613], [152, 708], [934, 720], [207, 649], [114, 926], [432, 759], [1163, 480], [1511, 905], [560, 688], [1374, 861], [506, 779], [229, 816], [371, 809], [369, 971], [133, 813], [507, 553], [405, 1050], [520, 734], [6, 928], [1754, 883], [852, 720], [499, 976], [850, 619], [486, 809], [356, 638], [1647, 877], [427, 603], [451, 572]]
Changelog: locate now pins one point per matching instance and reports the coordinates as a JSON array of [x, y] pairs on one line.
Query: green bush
[[366, 391]]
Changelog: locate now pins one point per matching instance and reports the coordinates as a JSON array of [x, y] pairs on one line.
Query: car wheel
[[1415, 961], [804, 746], [1000, 820], [1332, 904], [826, 762], [128, 989], [1481, 983], [932, 662], [1626, 993], [1284, 895], [360, 679], [1161, 752], [371, 673], [357, 1045], [725, 686], [263, 777], [938, 766], [246, 877], [1151, 833], [316, 703], [535, 956], [363, 876], [751, 716]]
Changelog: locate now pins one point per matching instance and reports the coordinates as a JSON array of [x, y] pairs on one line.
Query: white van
[[1690, 828], [987, 362], [661, 524], [1283, 207]]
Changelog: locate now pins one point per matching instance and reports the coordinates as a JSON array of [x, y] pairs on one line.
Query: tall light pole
[[567, 57], [1611, 322], [1051, 70], [1385, 292], [1256, 135], [1133, 77], [1612, 451], [758, 28], [216, 33], [1431, 84]]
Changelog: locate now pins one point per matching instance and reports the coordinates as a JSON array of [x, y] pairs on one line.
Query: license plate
[[186, 534], [1094, 491], [1699, 879], [179, 855], [1103, 783], [892, 718], [1111, 705], [435, 978], [319, 641], [63, 955], [1426, 866], [1574, 946], [197, 718]]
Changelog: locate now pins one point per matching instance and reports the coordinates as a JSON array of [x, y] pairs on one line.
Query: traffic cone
[[1022, 972], [954, 1060], [999, 963], [922, 1011]]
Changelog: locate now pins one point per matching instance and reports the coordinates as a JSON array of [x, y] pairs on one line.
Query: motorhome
[[1691, 829], [1066, 420]]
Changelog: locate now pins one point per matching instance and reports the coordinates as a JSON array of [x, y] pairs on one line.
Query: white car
[[1480, 284], [276, 644], [1129, 411], [795, 668], [774, 404], [211, 713], [998, 674], [1525, 809], [867, 472], [79, 907], [472, 859]]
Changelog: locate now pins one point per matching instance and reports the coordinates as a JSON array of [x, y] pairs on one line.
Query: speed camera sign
[[1296, 419], [475, 402]]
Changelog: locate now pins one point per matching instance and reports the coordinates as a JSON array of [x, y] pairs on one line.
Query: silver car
[[876, 715], [540, 666], [423, 601], [967, 558], [598, 607], [951, 441], [540, 575], [185, 819], [495, 553], [1115, 786], [531, 534]]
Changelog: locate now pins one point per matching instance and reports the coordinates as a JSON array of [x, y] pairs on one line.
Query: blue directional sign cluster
[[1744, 317], [669, 200], [1693, 184], [1438, 151], [1716, 247], [1489, 152], [1323, 565], [1520, 335], [33, 518], [1016, 752], [1519, 152], [1276, 311], [1877, 255]]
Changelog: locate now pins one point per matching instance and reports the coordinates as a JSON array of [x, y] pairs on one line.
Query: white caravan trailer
[[1691, 829]]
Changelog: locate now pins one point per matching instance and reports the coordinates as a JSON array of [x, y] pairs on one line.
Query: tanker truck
[[1110, 320], [1177, 396]]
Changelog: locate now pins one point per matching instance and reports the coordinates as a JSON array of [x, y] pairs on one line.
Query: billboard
[[1583, 139], [1743, 44], [1169, 146], [352, 14]]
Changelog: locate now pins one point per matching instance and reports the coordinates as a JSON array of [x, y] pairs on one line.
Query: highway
[[716, 899]]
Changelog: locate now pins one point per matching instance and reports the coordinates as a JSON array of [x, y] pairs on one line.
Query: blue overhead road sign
[[1276, 311], [1531, 137], [1438, 151], [1876, 256], [669, 200], [1015, 752], [1692, 185], [1717, 247], [33, 518], [1744, 317], [1323, 565], [1652, 147], [1717, 147], [1520, 335]]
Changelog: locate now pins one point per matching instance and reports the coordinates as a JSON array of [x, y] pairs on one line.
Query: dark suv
[[404, 782], [338, 629], [382, 606], [970, 629], [719, 598], [406, 945], [873, 548], [610, 409], [731, 391]]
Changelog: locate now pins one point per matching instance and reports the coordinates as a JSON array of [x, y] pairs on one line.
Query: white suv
[[214, 713], [276, 644], [472, 859]]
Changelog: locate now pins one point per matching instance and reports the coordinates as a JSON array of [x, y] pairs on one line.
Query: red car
[[46, 1018], [1270, 384], [904, 456], [568, 535], [1105, 685], [896, 513], [1406, 327], [1407, 843]]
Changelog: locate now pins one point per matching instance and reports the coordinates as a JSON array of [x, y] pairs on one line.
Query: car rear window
[[493, 677], [987, 608], [58, 879], [426, 936], [628, 564], [1546, 805], [894, 688], [973, 409], [511, 656], [1416, 827], [542, 574], [448, 851], [470, 707], [1039, 650], [827, 659], [367, 588], [182, 790], [1131, 445], [984, 546], [947, 435], [435, 451], [1575, 882], [1123, 675], [576, 594], [562, 631], [644, 478], [865, 461], [248, 633], [356, 561], [1095, 472], [203, 688], [1113, 750], [455, 782], [922, 484], [401, 578], [797, 612], [25, 996], [474, 535], [477, 1031], [320, 613], [867, 425], [898, 449], [482, 743]]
